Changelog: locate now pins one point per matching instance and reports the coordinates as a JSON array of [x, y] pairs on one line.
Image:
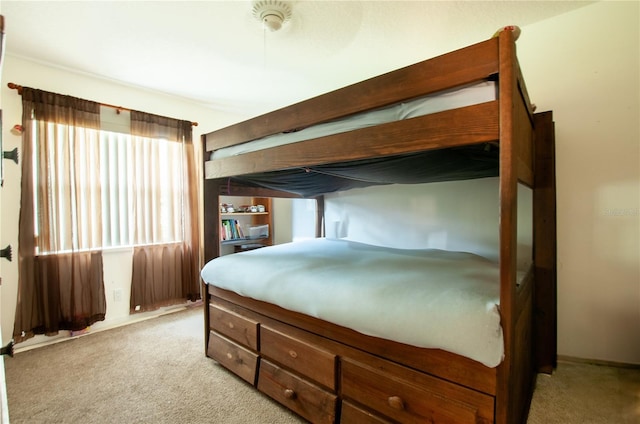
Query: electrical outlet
[[117, 295]]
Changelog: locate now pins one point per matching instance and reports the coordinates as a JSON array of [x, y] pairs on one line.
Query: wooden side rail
[[457, 127], [458, 68]]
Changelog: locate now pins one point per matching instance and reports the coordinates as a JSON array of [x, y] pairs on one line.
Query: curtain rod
[[18, 88]]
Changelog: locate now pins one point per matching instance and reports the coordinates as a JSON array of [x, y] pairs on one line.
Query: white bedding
[[481, 92], [426, 298]]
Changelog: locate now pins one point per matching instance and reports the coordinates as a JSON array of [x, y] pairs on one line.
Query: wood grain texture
[[340, 340], [297, 394], [458, 127], [234, 326], [433, 400], [508, 226], [234, 357], [528, 311], [544, 218], [461, 67], [314, 362], [354, 414]]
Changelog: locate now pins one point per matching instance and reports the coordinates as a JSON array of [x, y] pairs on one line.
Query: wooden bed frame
[[328, 373]]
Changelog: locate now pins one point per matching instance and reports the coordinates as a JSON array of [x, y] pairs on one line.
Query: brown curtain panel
[[165, 262], [73, 283], [57, 291]]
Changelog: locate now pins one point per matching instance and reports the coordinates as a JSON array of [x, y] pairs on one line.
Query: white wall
[[584, 66], [454, 215], [117, 264], [282, 221], [4, 407]]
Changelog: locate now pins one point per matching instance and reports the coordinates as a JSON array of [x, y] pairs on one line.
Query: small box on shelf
[[259, 231]]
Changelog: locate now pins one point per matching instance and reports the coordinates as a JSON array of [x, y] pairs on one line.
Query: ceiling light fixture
[[272, 13]]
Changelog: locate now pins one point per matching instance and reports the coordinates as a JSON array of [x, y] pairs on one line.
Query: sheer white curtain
[[159, 208], [67, 196], [142, 184]]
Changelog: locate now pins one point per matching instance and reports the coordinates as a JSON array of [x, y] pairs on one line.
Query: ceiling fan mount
[[273, 14]]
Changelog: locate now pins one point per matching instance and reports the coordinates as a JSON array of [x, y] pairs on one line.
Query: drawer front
[[236, 327], [352, 414], [306, 399], [234, 357], [435, 402], [304, 358]]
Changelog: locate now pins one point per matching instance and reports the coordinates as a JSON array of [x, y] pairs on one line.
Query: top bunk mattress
[[484, 91], [425, 298]]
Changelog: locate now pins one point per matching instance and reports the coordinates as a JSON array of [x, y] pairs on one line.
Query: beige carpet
[[589, 394], [156, 372]]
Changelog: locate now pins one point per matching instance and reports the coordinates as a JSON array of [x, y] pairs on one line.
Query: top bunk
[[446, 118]]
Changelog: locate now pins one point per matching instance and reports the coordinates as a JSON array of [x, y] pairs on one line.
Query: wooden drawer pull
[[289, 394], [396, 402], [293, 354], [229, 355], [230, 325]]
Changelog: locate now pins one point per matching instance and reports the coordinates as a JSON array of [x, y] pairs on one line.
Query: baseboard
[[41, 341], [573, 359]]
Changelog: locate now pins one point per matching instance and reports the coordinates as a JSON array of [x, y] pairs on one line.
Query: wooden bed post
[[320, 230], [544, 242], [211, 237], [506, 410], [211, 226]]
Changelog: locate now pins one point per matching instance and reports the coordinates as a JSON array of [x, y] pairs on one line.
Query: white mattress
[[426, 298], [484, 91]]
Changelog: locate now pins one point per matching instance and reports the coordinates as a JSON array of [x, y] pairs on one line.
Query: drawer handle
[[230, 325], [289, 394], [396, 402], [293, 354]]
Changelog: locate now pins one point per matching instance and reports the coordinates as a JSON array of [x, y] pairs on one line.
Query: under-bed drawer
[[236, 327], [305, 358], [352, 414], [431, 400], [308, 400], [234, 357]]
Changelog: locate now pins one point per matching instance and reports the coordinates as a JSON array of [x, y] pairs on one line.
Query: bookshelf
[[245, 227]]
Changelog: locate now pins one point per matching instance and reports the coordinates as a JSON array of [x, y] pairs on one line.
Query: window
[[141, 190], [123, 190], [86, 187]]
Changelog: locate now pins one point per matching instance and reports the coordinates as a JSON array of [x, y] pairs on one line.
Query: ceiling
[[217, 54]]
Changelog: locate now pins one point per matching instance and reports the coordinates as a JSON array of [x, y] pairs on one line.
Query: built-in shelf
[[246, 220], [230, 214], [244, 241]]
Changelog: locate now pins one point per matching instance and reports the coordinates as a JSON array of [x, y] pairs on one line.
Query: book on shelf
[[230, 229]]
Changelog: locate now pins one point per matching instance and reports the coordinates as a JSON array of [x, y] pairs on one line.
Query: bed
[[334, 349]]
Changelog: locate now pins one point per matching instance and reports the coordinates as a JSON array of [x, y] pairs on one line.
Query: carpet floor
[[156, 371]]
